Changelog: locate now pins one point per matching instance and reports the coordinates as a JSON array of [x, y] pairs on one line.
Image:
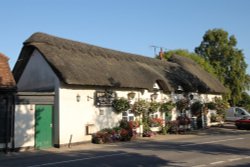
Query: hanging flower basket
[[153, 107], [140, 107], [182, 104], [120, 105], [167, 106]]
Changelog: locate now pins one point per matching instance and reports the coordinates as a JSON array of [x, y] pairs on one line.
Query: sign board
[[104, 98]]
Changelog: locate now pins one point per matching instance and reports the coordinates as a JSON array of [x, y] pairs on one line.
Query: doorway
[[43, 126]]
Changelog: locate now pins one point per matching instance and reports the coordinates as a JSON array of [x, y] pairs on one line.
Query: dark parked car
[[243, 123]]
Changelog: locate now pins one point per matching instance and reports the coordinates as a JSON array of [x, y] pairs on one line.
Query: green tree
[[185, 53], [219, 49], [245, 102]]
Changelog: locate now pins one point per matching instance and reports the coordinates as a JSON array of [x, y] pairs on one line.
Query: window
[[239, 112], [128, 115], [101, 112], [154, 115]]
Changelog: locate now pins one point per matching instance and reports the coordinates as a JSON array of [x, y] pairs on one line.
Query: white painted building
[[73, 76]]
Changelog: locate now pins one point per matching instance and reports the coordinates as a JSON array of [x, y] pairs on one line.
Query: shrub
[[182, 104], [221, 107], [211, 105], [183, 120], [122, 133], [173, 126], [196, 108]]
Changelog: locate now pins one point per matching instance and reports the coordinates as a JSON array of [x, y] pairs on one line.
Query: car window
[[239, 112]]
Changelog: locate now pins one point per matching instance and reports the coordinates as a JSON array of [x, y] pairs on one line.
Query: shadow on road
[[229, 133], [85, 158]]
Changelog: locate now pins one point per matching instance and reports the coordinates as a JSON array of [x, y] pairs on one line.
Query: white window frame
[[129, 115]]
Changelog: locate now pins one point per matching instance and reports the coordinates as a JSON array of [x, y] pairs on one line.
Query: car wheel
[[238, 126]]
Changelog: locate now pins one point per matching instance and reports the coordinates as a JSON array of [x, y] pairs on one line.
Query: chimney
[[161, 54]]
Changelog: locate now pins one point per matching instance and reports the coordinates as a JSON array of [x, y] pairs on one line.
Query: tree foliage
[[245, 102], [219, 49], [185, 53]]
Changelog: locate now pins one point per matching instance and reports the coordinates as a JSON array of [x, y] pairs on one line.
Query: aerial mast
[[161, 52]]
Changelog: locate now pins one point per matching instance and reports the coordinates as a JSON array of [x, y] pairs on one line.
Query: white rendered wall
[[37, 75], [75, 116], [24, 126], [209, 97]]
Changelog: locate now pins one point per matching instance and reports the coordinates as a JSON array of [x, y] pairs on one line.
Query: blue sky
[[125, 25]]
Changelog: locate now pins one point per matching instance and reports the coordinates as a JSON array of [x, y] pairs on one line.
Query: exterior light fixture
[[179, 89], [131, 95], [78, 97], [31, 107], [154, 96], [179, 93]]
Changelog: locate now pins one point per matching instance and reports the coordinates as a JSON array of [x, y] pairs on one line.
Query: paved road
[[211, 147]]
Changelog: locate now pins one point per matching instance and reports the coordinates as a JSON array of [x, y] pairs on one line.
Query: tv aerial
[[162, 49]]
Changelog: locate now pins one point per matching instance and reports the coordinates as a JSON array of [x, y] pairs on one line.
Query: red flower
[[156, 122]]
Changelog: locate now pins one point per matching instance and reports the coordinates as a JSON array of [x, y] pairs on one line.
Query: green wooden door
[[43, 126]]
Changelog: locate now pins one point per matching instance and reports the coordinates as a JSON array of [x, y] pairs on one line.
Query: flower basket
[[140, 107], [155, 122], [167, 107], [156, 129], [153, 107], [120, 105]]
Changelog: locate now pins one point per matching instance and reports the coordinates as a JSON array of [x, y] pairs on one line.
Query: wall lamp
[[131, 95], [78, 98], [154, 96], [179, 89]]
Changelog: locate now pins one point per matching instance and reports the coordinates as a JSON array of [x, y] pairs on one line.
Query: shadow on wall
[[24, 126], [106, 118], [6, 120]]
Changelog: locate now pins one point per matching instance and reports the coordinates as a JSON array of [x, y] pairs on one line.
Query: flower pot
[[155, 129]]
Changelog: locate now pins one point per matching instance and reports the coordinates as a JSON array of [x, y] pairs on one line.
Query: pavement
[[228, 127]]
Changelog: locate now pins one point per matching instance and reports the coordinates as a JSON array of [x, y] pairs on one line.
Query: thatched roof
[[6, 78], [77, 63]]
